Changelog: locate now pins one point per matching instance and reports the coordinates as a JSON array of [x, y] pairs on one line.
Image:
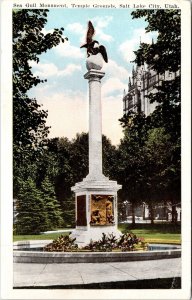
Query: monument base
[[96, 209], [84, 236]]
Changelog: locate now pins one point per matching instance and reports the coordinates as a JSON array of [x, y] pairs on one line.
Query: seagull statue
[[92, 46]]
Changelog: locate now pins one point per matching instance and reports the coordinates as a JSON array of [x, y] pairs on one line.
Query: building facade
[[144, 81]]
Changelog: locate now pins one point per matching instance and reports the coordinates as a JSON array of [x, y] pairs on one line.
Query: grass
[[157, 233], [50, 236]]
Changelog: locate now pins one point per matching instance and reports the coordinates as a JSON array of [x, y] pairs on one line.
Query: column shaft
[[95, 124]]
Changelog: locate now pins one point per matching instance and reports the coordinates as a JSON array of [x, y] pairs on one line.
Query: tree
[[29, 121], [79, 160], [110, 158], [38, 208], [60, 152], [54, 166], [146, 165], [161, 130], [32, 217], [165, 54], [132, 162], [158, 154], [51, 205], [65, 163]]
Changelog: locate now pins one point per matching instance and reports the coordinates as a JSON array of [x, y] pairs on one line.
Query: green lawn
[[158, 237], [157, 233], [50, 236]]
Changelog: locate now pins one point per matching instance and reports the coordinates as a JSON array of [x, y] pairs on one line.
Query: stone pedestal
[[96, 195], [96, 210]]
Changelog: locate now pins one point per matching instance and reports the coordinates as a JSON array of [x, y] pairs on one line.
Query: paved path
[[58, 231], [43, 275]]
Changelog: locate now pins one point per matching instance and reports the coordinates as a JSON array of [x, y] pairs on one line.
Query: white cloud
[[50, 69], [69, 70], [127, 47], [76, 28], [117, 78], [43, 70], [112, 69], [103, 36], [67, 50], [45, 31], [99, 23], [103, 22], [112, 85], [112, 108], [68, 114]]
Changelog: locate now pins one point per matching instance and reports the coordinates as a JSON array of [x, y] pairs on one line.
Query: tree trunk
[[174, 214], [151, 214], [133, 213], [143, 211]]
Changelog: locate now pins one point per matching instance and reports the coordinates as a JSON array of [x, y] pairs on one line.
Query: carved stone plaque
[[102, 211], [81, 211]]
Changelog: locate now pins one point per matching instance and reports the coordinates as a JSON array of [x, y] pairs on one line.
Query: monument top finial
[[95, 53]]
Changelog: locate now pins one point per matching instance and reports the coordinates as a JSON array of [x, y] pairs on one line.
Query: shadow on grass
[[152, 228], [159, 283]]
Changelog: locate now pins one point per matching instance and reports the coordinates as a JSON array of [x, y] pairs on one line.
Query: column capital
[[94, 75]]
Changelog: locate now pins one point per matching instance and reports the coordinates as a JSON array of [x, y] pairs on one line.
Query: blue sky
[[65, 94]]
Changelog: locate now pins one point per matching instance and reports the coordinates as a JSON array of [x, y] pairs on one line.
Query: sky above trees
[[65, 94]]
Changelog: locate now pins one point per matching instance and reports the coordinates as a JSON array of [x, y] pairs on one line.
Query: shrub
[[62, 244], [108, 243]]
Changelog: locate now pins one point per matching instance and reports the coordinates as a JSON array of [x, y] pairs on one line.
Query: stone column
[[96, 193], [95, 124]]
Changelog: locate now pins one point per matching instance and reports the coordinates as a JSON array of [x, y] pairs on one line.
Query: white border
[[7, 291]]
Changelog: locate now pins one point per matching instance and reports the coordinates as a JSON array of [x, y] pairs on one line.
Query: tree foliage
[[165, 54], [38, 209], [65, 163], [51, 204], [151, 149], [29, 41], [33, 190], [132, 161], [32, 217]]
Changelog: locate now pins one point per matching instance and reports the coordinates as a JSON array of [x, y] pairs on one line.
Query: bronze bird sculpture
[[92, 46]]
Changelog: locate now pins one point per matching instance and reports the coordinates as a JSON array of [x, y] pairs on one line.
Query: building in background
[[144, 80], [162, 212]]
